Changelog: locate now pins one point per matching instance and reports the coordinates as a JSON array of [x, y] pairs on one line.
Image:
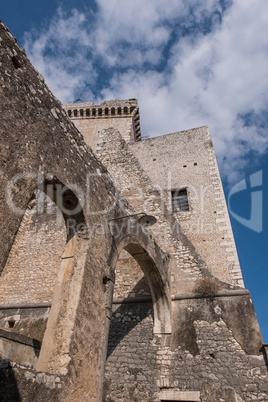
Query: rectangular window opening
[[180, 200]]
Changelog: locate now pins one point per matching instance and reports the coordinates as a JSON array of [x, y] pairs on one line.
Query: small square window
[[180, 200]]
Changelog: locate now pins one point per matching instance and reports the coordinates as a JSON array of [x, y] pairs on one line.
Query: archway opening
[[131, 336]]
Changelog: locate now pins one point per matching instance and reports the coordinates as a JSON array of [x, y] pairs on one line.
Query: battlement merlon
[[113, 109]]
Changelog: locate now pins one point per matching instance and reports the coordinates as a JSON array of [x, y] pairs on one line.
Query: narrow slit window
[[180, 200]]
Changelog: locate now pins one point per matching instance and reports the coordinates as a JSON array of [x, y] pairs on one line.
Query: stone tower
[[90, 119], [94, 303], [174, 177], [182, 161]]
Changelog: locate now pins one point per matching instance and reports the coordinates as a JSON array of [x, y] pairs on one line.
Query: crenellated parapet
[[115, 109]]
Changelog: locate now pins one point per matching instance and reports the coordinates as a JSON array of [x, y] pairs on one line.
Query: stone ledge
[[22, 339], [174, 395], [23, 306], [143, 299], [222, 293]]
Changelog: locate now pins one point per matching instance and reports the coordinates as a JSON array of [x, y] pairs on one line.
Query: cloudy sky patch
[[189, 64]]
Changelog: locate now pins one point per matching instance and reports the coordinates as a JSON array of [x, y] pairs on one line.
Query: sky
[[189, 63]]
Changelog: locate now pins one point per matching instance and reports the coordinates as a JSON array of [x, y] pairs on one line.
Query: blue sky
[[189, 63]]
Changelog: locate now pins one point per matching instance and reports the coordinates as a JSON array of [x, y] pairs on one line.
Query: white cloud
[[214, 71], [214, 79], [61, 54], [124, 26]]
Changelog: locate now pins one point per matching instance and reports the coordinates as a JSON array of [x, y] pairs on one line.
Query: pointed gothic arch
[[154, 264]]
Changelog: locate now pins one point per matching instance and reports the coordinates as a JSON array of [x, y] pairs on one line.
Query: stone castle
[[120, 279]]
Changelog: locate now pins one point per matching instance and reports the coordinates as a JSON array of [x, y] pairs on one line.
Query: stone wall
[[129, 278], [180, 361], [219, 367], [186, 266], [130, 360], [202, 356], [187, 160], [40, 144], [130, 371], [19, 348], [30, 273], [172, 162], [30, 321]]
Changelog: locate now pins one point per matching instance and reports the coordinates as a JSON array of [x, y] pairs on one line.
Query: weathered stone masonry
[[37, 137], [187, 159], [34, 258], [93, 305], [184, 332], [130, 171]]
